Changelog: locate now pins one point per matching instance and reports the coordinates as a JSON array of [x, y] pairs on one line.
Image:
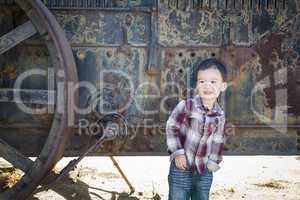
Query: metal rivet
[[108, 54]]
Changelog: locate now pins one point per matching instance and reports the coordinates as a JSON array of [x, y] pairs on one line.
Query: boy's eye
[[201, 81], [213, 82]]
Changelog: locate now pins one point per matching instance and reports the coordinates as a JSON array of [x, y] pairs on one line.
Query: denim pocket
[[179, 178], [206, 170], [175, 168]]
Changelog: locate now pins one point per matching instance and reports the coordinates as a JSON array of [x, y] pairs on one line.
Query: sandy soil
[[241, 177]]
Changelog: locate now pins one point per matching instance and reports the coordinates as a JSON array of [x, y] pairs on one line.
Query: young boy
[[195, 135]]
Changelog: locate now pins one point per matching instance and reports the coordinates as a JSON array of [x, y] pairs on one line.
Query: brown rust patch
[[238, 60], [9, 71], [270, 53], [237, 57], [266, 49]]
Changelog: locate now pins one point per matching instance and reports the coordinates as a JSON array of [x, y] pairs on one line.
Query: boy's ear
[[224, 86]]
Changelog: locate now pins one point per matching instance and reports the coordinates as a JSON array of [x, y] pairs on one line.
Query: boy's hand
[[212, 166], [180, 162]]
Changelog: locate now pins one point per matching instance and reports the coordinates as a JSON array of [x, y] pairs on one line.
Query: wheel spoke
[[14, 37], [13, 156], [45, 97], [61, 131]]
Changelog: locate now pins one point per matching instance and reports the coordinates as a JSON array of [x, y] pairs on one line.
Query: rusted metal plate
[[113, 75], [266, 17], [98, 28], [245, 103], [33, 65], [22, 59], [195, 28]]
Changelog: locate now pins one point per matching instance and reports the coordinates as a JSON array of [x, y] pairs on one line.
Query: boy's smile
[[209, 85]]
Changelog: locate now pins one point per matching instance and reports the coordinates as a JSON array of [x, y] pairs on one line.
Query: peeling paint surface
[[114, 72], [112, 45], [98, 28], [196, 28]]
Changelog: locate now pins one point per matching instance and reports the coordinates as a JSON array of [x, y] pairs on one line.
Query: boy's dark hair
[[207, 64]]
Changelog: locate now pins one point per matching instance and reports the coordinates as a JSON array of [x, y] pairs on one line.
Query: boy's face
[[210, 84]]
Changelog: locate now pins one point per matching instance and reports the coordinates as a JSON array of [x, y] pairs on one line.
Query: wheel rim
[[60, 131]]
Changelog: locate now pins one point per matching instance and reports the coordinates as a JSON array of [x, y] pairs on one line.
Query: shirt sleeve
[[175, 138], [218, 142]]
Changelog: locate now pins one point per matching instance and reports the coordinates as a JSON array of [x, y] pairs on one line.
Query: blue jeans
[[186, 184]]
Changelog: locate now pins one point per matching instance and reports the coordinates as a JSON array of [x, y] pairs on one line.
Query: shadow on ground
[[79, 190]]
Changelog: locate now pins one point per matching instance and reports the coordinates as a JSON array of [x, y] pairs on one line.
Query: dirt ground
[[241, 177]]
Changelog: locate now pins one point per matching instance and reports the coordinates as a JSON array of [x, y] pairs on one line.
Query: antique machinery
[[73, 70]]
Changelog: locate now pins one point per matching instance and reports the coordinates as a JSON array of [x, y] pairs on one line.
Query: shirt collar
[[215, 111]]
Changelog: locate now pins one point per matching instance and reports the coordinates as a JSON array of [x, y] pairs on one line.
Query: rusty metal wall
[[89, 3], [155, 44]]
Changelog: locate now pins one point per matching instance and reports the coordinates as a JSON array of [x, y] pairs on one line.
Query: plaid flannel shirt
[[196, 133]]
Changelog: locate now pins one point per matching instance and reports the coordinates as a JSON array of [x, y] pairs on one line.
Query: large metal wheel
[[43, 22]]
